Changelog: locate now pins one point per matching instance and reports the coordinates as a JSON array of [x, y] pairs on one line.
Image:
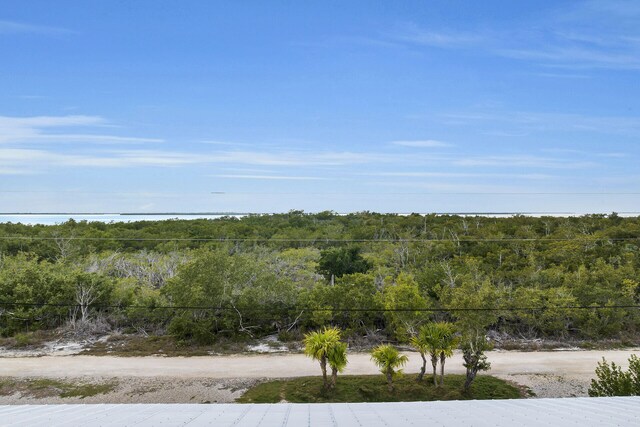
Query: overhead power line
[[325, 309], [585, 238], [327, 193]]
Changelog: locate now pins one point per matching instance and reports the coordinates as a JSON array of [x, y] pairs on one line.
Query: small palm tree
[[337, 358], [439, 340], [421, 343], [388, 359], [448, 341], [318, 345], [427, 342], [421, 347]]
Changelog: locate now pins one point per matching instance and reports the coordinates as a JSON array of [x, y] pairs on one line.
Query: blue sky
[[255, 106]]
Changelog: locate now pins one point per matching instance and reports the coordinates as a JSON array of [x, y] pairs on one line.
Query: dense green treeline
[[373, 275]]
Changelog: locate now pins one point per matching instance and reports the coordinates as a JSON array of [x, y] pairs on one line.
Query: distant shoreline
[[313, 213], [52, 218]]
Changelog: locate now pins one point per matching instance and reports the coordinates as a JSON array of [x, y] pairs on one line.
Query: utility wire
[[585, 238], [338, 309], [327, 193]]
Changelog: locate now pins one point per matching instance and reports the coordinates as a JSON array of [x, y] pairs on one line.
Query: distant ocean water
[[58, 218], [51, 219]]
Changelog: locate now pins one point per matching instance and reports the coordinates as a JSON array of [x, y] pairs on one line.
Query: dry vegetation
[[45, 387]]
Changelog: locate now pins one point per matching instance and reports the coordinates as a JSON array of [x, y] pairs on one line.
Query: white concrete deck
[[620, 411]]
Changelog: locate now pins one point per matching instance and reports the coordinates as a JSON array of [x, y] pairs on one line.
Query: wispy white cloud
[[427, 143], [23, 138], [622, 11], [542, 121], [35, 160], [334, 41], [296, 158], [613, 155], [91, 138], [50, 121], [248, 170], [457, 188], [27, 159], [223, 143], [582, 36], [39, 160], [453, 175], [575, 57], [38, 129], [564, 75], [272, 177], [527, 161], [4, 170], [504, 133], [414, 34], [14, 27], [31, 97], [457, 170]]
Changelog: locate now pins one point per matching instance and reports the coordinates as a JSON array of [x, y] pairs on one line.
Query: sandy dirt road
[[223, 378], [291, 365]]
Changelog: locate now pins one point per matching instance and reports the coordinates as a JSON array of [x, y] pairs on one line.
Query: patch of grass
[[22, 340], [134, 345], [27, 339], [86, 390], [46, 387], [163, 345], [6, 386], [373, 388]]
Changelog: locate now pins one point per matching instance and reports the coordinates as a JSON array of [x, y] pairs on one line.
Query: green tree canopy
[[340, 261]]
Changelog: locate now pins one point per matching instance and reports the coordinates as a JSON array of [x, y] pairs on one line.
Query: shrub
[[22, 340], [613, 381], [186, 329]]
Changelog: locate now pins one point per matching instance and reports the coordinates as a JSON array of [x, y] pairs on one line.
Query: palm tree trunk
[[434, 363], [334, 377], [390, 381], [323, 366], [423, 369], [442, 360]]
